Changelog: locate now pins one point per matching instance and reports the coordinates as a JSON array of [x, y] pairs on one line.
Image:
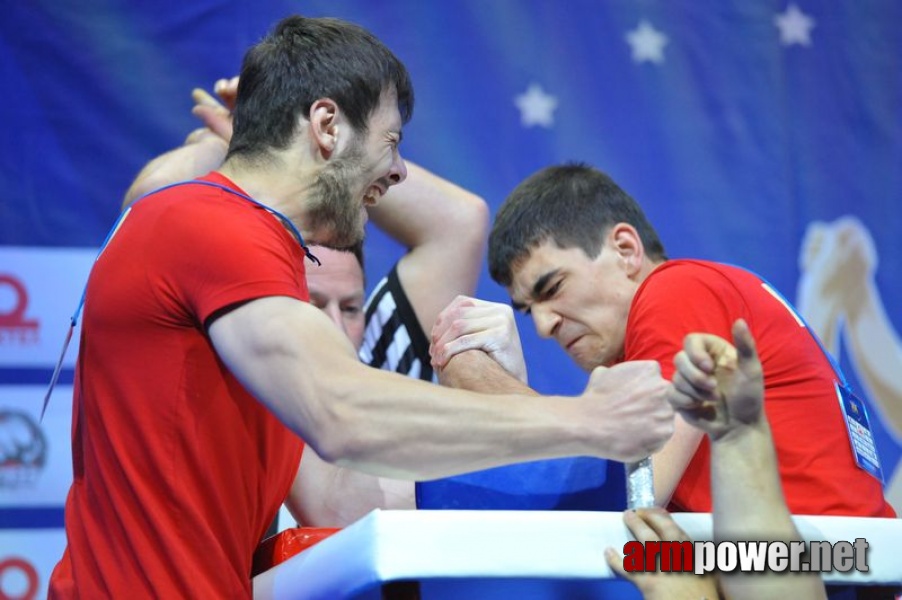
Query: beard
[[334, 216]]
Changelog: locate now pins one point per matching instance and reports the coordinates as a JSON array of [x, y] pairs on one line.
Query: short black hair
[[573, 205], [306, 59], [356, 250]]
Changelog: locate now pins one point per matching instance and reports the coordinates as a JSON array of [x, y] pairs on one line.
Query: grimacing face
[[337, 288], [581, 302], [333, 214], [357, 177]]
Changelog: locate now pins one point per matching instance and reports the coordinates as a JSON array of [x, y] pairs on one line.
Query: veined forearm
[[294, 360], [428, 431], [746, 490]]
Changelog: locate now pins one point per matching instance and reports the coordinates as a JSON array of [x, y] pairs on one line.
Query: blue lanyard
[[73, 320], [285, 220]]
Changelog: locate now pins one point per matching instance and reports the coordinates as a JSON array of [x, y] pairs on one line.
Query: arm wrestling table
[[536, 555]]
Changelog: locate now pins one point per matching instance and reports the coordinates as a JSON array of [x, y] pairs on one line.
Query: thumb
[[597, 373], [615, 561], [745, 346]]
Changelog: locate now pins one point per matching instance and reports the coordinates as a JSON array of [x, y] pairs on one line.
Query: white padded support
[[389, 546]]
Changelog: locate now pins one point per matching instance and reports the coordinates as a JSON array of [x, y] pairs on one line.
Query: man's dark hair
[[572, 205], [303, 60]]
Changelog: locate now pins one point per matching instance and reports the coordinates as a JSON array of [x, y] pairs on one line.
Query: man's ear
[[626, 241], [324, 126]]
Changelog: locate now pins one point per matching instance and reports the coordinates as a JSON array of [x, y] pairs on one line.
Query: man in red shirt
[[577, 253]]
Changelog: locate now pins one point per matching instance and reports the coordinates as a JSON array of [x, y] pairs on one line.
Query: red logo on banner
[[14, 572], [14, 327]]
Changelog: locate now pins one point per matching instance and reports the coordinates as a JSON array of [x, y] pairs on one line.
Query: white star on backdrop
[[795, 26], [647, 43], [536, 107]]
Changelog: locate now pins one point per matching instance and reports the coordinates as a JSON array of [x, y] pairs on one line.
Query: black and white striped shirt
[[394, 339]]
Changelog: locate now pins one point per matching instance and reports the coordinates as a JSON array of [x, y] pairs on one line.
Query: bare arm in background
[[444, 229], [719, 388], [203, 151]]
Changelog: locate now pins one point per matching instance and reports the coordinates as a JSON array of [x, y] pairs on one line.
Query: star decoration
[[647, 43], [795, 26], [536, 107]]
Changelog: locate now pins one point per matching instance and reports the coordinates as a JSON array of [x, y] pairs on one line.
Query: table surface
[[520, 547]]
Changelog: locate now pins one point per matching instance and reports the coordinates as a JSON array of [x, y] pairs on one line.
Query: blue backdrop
[[736, 124]]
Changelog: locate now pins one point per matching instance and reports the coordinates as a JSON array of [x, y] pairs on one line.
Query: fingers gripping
[[470, 324]]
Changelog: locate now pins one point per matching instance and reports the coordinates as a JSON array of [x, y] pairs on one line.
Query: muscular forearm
[[381, 422], [749, 505], [719, 388], [459, 431], [291, 357], [475, 370], [444, 228], [745, 486]]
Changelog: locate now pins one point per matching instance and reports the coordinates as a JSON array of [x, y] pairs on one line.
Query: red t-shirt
[[178, 470], [816, 463]]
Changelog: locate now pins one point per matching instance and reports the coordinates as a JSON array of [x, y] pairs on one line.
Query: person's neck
[[273, 184], [648, 266]]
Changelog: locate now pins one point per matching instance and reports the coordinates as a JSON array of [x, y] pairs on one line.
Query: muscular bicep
[[282, 350]]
